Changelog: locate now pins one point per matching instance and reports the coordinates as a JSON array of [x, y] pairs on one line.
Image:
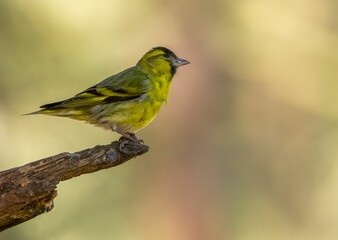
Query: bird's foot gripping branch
[[128, 142], [29, 190]]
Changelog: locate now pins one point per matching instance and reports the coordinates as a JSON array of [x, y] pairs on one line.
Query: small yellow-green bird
[[125, 102]]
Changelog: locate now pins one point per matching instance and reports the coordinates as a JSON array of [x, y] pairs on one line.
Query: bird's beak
[[180, 62]]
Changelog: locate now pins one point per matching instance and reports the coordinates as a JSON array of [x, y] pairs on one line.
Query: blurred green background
[[245, 149]]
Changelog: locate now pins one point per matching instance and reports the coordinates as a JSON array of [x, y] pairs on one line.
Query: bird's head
[[161, 60]]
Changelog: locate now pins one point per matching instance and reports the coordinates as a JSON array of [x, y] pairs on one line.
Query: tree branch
[[29, 190]]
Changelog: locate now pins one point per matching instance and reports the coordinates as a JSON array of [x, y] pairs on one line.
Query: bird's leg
[[126, 138], [130, 136]]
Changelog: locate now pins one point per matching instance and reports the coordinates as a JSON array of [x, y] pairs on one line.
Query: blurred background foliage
[[245, 149]]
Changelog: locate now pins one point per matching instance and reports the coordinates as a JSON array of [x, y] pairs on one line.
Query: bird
[[127, 101]]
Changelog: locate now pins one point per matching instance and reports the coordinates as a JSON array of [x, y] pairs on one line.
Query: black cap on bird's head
[[177, 62], [167, 55]]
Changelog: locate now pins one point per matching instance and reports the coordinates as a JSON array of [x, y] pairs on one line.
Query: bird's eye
[[166, 55]]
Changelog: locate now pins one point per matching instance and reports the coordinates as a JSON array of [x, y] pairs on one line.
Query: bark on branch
[[29, 190]]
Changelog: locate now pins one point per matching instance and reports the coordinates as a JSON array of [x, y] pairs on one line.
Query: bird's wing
[[127, 85]]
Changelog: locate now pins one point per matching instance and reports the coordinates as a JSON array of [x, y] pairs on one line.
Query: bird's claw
[[128, 139]]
